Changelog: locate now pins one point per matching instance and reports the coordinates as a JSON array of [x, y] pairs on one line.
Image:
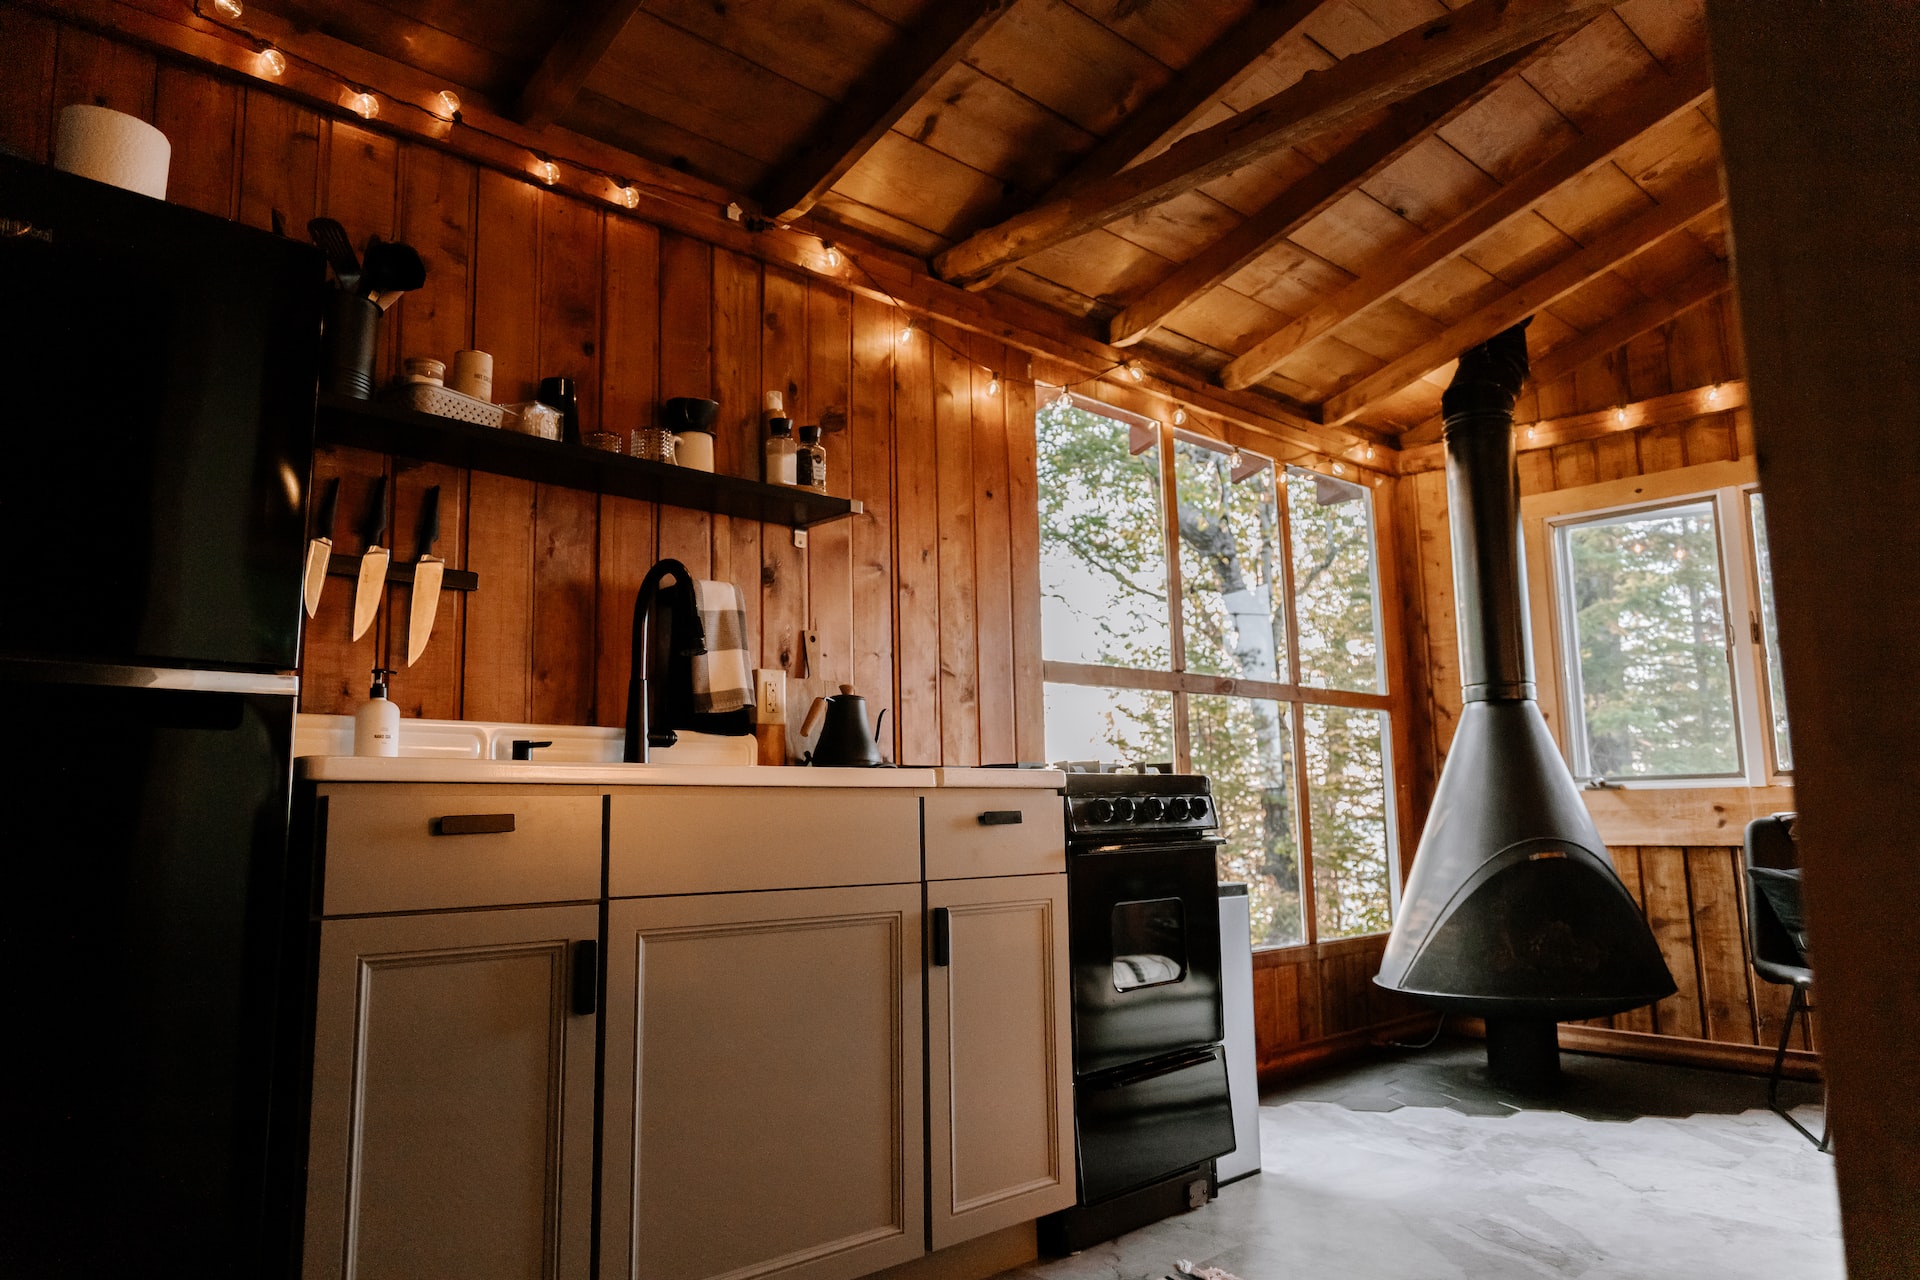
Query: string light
[[1135, 372], [993, 383], [1529, 433], [1713, 393], [229, 9], [1179, 416], [1369, 453], [272, 61], [1065, 400], [547, 171], [906, 333], [1620, 415], [1233, 459], [447, 105], [364, 104], [833, 255], [1339, 468]]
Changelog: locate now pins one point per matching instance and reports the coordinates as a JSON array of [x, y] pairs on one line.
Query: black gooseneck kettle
[[845, 742]]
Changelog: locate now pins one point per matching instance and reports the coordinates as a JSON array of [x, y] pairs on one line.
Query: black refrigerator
[[159, 371]]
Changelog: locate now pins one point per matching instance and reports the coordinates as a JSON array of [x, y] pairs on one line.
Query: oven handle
[[1125, 1077], [1158, 846]]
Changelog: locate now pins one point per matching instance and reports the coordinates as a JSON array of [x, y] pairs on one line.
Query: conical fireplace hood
[[1513, 910]]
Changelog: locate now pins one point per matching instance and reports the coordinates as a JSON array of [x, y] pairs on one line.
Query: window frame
[[1727, 486], [1297, 696]]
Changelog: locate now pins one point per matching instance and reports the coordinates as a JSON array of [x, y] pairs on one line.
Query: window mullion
[[1745, 657], [1176, 594]]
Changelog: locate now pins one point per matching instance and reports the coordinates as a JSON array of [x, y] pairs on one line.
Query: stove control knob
[[1123, 809], [1197, 809], [1178, 809], [1099, 811], [1150, 809]]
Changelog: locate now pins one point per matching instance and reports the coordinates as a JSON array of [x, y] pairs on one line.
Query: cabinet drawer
[[426, 848], [673, 840], [994, 833]]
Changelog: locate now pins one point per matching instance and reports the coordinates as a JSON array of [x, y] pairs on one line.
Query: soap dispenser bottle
[[376, 726]]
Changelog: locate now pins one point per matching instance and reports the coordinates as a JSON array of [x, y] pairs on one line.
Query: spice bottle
[[780, 451], [810, 461]]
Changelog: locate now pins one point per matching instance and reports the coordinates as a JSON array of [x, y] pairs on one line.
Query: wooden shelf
[[367, 424]]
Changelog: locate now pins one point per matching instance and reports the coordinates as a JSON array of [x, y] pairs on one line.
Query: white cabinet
[[763, 1104], [453, 1080], [999, 1054]]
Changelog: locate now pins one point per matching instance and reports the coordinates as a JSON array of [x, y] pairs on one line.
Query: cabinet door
[[999, 1054], [453, 1088], [763, 1095]]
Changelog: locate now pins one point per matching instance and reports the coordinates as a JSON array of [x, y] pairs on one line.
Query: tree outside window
[[1205, 608]]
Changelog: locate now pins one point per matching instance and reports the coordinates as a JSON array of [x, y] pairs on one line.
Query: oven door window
[[1149, 943]]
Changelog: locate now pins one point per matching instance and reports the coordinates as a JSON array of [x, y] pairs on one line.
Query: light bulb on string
[[1179, 416], [906, 333], [229, 9], [272, 61], [1620, 415], [1713, 393], [1135, 372], [833, 254], [547, 171], [993, 382], [1339, 468], [627, 195], [1066, 399], [1233, 459], [364, 104], [446, 105]]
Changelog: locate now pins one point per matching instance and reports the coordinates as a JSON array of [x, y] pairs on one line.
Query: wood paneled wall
[[1312, 1003], [921, 602]]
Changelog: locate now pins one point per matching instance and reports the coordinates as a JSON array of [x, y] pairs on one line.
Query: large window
[[1665, 657], [1204, 607]]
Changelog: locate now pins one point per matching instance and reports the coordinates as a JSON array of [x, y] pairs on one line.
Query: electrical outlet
[[770, 695]]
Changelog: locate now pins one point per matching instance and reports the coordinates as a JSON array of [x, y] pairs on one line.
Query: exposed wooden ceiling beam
[[1678, 406], [591, 30], [1407, 124], [1219, 68], [898, 80], [1368, 81], [1682, 206], [1703, 285], [1649, 105]]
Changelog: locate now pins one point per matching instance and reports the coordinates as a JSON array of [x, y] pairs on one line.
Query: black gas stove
[[1151, 1108]]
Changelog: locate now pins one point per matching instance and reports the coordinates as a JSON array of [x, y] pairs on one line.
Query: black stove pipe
[[1483, 507]]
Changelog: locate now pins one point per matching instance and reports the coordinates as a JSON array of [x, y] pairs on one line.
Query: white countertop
[[597, 774], [453, 751]]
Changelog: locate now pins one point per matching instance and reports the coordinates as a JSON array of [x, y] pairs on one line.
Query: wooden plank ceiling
[[1320, 200]]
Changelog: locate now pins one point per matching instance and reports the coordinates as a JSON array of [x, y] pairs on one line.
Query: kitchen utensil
[[656, 444], [845, 742], [562, 395], [349, 336], [320, 549], [391, 267], [373, 563], [472, 375], [332, 239], [427, 572]]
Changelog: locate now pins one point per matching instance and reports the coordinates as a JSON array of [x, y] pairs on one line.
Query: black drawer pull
[[942, 941], [472, 824], [586, 976], [1002, 818]]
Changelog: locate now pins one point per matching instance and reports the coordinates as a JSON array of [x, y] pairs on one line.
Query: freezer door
[[149, 904]]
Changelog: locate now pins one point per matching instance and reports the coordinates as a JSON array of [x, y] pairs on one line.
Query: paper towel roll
[[111, 146]]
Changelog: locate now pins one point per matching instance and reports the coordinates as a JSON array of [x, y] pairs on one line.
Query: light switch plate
[[770, 695]]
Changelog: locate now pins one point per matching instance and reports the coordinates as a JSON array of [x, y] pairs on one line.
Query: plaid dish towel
[[723, 675]]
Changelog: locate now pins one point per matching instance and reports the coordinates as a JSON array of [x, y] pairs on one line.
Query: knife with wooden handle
[[320, 549], [427, 572], [373, 564]]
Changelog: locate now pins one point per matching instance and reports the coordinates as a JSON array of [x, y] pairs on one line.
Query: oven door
[[1137, 1125], [1145, 943]]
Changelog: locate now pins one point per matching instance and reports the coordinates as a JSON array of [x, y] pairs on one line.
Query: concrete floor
[[1414, 1167]]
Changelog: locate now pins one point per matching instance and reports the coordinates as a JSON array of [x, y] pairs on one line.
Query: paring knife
[[373, 564], [426, 578], [320, 549]]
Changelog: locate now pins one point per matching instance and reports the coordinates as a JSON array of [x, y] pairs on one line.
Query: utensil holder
[[349, 336]]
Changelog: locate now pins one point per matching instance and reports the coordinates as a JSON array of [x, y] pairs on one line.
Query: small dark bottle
[[810, 461]]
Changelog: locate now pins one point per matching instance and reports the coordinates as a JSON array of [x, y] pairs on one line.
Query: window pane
[[1108, 724], [1103, 567], [1347, 798], [1229, 562], [1770, 628], [1245, 748], [1649, 631], [1333, 582]]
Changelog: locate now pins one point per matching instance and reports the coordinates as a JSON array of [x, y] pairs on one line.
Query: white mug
[[694, 450], [472, 375]]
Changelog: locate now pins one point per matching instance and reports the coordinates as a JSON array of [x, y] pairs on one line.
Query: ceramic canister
[[472, 375]]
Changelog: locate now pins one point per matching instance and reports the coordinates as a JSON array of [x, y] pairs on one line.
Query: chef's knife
[[427, 573], [320, 549], [373, 564]]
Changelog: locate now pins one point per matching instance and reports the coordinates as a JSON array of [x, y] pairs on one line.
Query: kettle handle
[[814, 713]]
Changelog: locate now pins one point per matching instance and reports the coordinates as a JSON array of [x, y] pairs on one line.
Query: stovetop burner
[[1113, 766]]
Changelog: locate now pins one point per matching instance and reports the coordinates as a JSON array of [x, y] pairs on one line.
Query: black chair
[[1777, 937]]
